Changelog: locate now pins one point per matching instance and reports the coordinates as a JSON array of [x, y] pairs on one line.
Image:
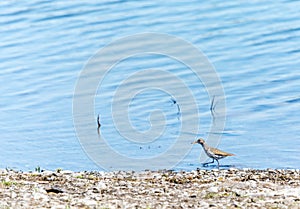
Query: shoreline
[[232, 188]]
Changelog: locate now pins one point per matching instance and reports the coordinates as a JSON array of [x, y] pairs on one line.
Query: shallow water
[[253, 47]]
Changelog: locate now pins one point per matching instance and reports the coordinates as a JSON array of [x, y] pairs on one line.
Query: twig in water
[[178, 108], [212, 109], [173, 100], [99, 124], [213, 105]]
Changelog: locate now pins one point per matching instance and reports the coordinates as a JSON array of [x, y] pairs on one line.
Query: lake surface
[[254, 48]]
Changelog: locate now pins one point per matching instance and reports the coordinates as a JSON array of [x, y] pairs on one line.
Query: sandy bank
[[151, 189]]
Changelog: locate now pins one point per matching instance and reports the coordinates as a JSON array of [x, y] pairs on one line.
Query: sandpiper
[[211, 152]]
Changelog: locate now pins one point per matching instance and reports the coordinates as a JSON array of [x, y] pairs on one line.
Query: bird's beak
[[195, 142]]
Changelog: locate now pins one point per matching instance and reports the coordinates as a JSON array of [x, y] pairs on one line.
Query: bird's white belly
[[212, 155]]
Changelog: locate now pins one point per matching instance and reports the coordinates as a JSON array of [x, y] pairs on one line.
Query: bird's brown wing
[[221, 153]]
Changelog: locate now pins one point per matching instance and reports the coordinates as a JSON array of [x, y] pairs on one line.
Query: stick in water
[[99, 124]]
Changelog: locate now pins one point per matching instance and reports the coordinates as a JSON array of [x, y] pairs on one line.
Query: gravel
[[233, 188]]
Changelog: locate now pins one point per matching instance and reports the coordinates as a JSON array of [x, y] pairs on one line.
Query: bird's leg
[[218, 163], [205, 164]]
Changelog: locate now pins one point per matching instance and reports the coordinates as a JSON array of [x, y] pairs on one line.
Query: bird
[[212, 152]]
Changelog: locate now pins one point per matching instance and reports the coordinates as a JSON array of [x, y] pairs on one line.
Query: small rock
[[101, 186], [54, 190], [66, 172], [122, 183], [213, 189], [13, 195]]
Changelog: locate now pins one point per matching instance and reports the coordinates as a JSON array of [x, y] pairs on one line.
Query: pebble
[[101, 185], [213, 189]]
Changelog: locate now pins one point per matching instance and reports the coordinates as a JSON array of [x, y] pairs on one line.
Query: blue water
[[253, 46]]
